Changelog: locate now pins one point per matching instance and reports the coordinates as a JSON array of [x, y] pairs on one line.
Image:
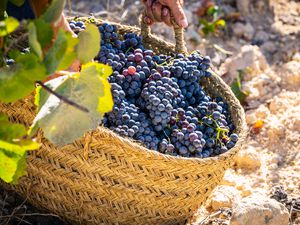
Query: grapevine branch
[[64, 99]]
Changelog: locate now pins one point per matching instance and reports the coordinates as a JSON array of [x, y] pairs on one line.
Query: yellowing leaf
[[8, 26], [19, 147], [105, 102], [9, 164], [63, 123], [89, 43], [97, 68], [13, 150], [220, 23]]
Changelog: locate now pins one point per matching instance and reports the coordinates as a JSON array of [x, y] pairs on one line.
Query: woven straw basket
[[104, 178]]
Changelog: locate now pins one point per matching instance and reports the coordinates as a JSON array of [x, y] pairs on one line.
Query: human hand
[[165, 11]]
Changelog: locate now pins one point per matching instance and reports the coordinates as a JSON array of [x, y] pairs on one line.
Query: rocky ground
[[261, 39]]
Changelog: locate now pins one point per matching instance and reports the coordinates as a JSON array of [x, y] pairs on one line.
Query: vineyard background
[[262, 39]]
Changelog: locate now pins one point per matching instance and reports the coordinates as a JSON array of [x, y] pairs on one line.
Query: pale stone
[[230, 178], [243, 6], [248, 158], [243, 30], [224, 196], [245, 190], [262, 112], [250, 117], [269, 46], [275, 130], [259, 210], [250, 60], [290, 74], [262, 35]]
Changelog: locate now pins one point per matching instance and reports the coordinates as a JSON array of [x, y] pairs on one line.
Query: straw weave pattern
[[103, 178]]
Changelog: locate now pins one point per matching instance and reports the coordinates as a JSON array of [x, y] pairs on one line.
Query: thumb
[[178, 13]]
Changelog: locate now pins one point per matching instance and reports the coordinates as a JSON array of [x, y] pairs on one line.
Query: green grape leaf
[[8, 26], [63, 123], [54, 11], [89, 43], [17, 81], [204, 22], [17, 2], [33, 40], [209, 28], [61, 55], [44, 32], [13, 148], [56, 52], [70, 54], [9, 131], [236, 88], [211, 10]]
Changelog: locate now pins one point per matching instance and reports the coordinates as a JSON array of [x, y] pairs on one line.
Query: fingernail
[[165, 12], [183, 23]]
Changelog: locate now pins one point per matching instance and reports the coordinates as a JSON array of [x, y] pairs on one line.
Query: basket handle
[[180, 46]]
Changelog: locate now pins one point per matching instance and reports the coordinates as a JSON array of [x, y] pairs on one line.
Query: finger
[[148, 10], [148, 21], [149, 3], [166, 16], [157, 11], [177, 11], [66, 26]]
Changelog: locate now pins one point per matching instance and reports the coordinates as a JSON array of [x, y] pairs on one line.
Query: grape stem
[[167, 136], [62, 98], [128, 50], [219, 130]]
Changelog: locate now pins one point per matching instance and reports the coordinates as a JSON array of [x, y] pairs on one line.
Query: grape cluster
[[200, 131], [77, 26], [189, 70], [159, 100], [160, 94], [127, 120], [132, 40]]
